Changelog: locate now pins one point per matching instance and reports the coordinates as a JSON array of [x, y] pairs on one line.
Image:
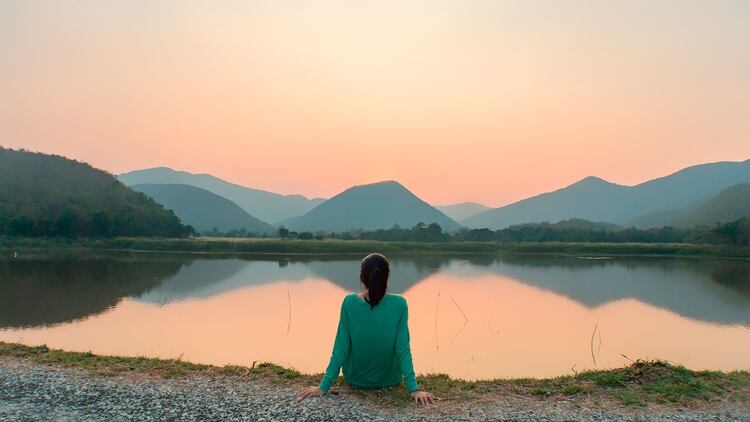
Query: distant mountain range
[[650, 204], [374, 206], [674, 200], [267, 206], [463, 210], [45, 195], [202, 209]]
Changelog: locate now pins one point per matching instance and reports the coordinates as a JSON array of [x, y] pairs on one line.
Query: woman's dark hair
[[374, 273]]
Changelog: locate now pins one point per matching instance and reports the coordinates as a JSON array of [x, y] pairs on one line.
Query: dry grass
[[640, 384]]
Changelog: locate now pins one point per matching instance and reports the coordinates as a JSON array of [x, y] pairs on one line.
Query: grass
[[165, 368], [359, 247], [640, 384]]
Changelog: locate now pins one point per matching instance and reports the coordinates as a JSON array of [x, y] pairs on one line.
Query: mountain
[[369, 207], [202, 209], [587, 199], [267, 206], [50, 195], [599, 200], [730, 204], [463, 210]]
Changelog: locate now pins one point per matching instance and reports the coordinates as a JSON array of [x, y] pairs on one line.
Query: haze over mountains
[[267, 206], [49, 195], [649, 204], [462, 210], [374, 206], [668, 200], [204, 210]]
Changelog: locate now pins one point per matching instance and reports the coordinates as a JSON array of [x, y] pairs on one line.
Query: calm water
[[475, 318]]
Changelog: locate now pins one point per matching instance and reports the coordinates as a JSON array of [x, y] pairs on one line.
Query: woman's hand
[[421, 397], [309, 392]]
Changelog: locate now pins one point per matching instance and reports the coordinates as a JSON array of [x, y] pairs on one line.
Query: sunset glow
[[488, 101]]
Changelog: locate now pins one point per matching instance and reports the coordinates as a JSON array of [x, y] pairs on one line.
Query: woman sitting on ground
[[372, 341]]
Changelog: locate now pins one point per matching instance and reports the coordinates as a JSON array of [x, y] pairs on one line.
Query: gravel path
[[36, 392]]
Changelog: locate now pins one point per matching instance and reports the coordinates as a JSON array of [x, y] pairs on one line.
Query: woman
[[372, 341]]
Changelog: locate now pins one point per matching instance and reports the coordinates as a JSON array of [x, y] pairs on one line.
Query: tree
[[49, 195], [283, 232]]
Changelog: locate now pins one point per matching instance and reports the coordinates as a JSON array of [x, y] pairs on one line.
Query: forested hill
[[49, 195]]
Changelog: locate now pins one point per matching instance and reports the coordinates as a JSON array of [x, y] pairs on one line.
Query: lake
[[470, 317]]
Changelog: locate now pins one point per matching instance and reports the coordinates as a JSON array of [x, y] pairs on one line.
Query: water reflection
[[711, 291], [209, 277], [49, 291], [472, 317], [37, 292]]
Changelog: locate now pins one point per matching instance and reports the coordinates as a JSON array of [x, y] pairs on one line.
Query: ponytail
[[376, 286], [374, 275]]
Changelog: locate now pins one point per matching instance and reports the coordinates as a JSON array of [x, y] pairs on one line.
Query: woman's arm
[[341, 347], [403, 351]]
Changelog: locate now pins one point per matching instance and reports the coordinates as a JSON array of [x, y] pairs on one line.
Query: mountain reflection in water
[[471, 317]]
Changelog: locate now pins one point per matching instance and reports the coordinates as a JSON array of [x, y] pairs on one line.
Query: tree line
[[732, 233]]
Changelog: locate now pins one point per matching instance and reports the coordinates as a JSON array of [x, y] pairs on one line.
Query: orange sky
[[488, 101]]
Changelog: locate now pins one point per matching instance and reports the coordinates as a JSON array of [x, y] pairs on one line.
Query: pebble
[[32, 392]]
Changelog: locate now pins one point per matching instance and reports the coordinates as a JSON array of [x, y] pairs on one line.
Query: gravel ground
[[36, 392]]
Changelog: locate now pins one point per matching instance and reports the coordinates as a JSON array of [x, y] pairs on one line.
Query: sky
[[488, 101]]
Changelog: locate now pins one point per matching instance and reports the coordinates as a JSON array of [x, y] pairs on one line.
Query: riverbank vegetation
[[640, 384], [573, 230], [735, 233], [271, 246]]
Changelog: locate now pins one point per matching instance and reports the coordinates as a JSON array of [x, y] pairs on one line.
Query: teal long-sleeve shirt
[[372, 345]]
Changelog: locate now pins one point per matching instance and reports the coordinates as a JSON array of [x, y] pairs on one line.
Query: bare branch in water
[[289, 319], [459, 309], [466, 320], [459, 331], [593, 334], [437, 302]]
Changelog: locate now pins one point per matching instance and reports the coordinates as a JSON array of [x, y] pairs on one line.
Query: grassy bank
[[640, 384], [359, 247]]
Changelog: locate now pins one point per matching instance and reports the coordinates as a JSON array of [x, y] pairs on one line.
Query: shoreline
[[278, 247], [643, 384]]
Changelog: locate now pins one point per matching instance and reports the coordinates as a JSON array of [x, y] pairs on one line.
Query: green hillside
[[49, 195], [730, 204], [202, 209]]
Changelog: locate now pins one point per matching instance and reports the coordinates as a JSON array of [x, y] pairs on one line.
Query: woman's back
[[372, 340], [374, 332]]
